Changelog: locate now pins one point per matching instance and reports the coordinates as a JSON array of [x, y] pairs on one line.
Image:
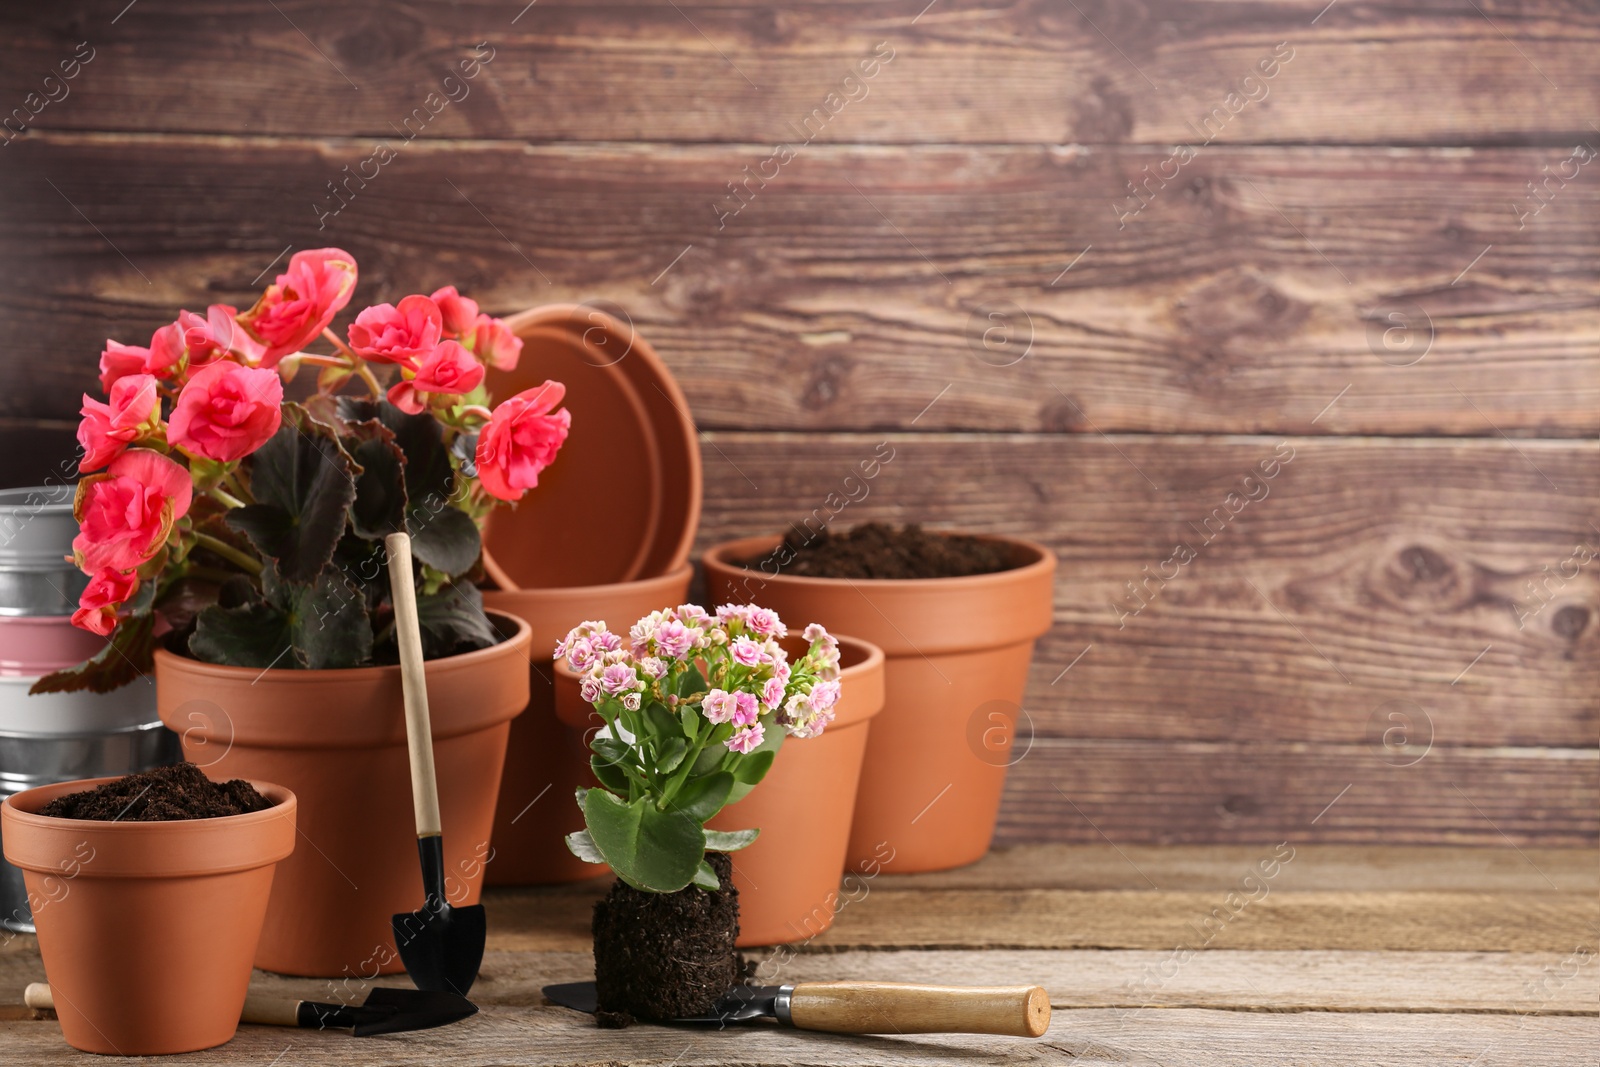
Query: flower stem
[[228, 552], [216, 492], [356, 363]]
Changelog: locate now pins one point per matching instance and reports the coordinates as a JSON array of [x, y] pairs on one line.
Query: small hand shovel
[[863, 1007], [441, 946], [385, 1011]]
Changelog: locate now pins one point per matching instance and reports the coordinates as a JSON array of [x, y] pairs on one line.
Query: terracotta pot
[[546, 761], [147, 929], [788, 881], [958, 651], [338, 739]]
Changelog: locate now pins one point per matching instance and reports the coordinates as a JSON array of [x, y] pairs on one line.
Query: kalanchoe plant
[[695, 708], [254, 525]]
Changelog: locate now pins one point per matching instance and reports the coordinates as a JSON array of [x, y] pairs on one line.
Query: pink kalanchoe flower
[[589, 691], [815, 632], [522, 438], [459, 314], [745, 709], [120, 360], [580, 653], [765, 622], [301, 303], [694, 615], [719, 706], [728, 614], [673, 639], [108, 429], [631, 701], [107, 591], [747, 740], [227, 411], [745, 652], [605, 641], [219, 334], [125, 514], [781, 672], [619, 678], [403, 334], [654, 667], [772, 692], [824, 695], [493, 342]]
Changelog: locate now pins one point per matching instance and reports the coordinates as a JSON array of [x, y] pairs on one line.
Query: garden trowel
[[863, 1007], [441, 945], [385, 1011]]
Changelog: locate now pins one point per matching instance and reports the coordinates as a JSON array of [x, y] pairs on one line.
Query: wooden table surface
[[1430, 956]]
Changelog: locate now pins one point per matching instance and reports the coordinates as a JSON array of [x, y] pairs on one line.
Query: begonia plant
[[252, 525]]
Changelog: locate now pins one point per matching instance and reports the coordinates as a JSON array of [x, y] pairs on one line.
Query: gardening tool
[[863, 1007], [385, 1011], [441, 946]]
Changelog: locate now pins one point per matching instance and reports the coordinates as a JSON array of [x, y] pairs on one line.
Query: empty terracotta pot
[[338, 739], [957, 663], [547, 761], [789, 880], [147, 929]]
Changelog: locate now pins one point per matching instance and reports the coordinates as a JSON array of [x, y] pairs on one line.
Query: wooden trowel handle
[[419, 733], [895, 1008], [265, 1011]]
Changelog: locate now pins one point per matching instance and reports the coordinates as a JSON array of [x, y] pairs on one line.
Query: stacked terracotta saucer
[[606, 536]]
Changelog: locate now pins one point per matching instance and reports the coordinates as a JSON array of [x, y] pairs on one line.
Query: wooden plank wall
[[1085, 264]]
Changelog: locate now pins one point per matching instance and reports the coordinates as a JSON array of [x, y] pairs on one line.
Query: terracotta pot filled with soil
[[548, 759], [660, 956], [337, 739], [788, 880], [956, 616], [152, 891]]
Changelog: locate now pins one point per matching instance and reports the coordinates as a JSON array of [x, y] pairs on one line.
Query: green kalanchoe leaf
[[583, 847], [701, 798], [609, 773], [730, 840], [651, 850], [754, 767], [706, 878], [671, 753]]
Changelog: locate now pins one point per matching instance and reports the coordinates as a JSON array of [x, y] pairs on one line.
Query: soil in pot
[[166, 794], [660, 956], [878, 550]]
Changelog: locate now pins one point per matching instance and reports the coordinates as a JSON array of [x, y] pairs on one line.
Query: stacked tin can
[[56, 737]]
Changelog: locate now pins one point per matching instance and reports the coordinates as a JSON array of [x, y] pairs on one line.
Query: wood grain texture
[[556, 1037], [1033, 72], [1262, 290], [1367, 580]]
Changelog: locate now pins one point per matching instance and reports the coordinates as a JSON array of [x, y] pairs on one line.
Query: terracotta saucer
[[622, 501]]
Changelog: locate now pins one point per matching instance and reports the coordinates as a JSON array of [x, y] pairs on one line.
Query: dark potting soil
[[878, 550], [165, 794], [660, 956]]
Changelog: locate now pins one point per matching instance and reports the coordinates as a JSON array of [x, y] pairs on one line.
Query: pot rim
[[558, 593], [461, 660], [122, 840], [1043, 562]]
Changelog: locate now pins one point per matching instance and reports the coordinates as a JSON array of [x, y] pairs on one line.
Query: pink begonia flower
[[772, 693], [168, 348], [521, 439], [673, 639], [765, 622], [108, 429], [107, 591], [227, 411], [747, 740], [403, 334], [120, 360], [459, 314], [219, 334], [301, 303], [745, 652], [125, 514], [493, 342], [719, 706], [448, 370], [589, 691], [619, 678]]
